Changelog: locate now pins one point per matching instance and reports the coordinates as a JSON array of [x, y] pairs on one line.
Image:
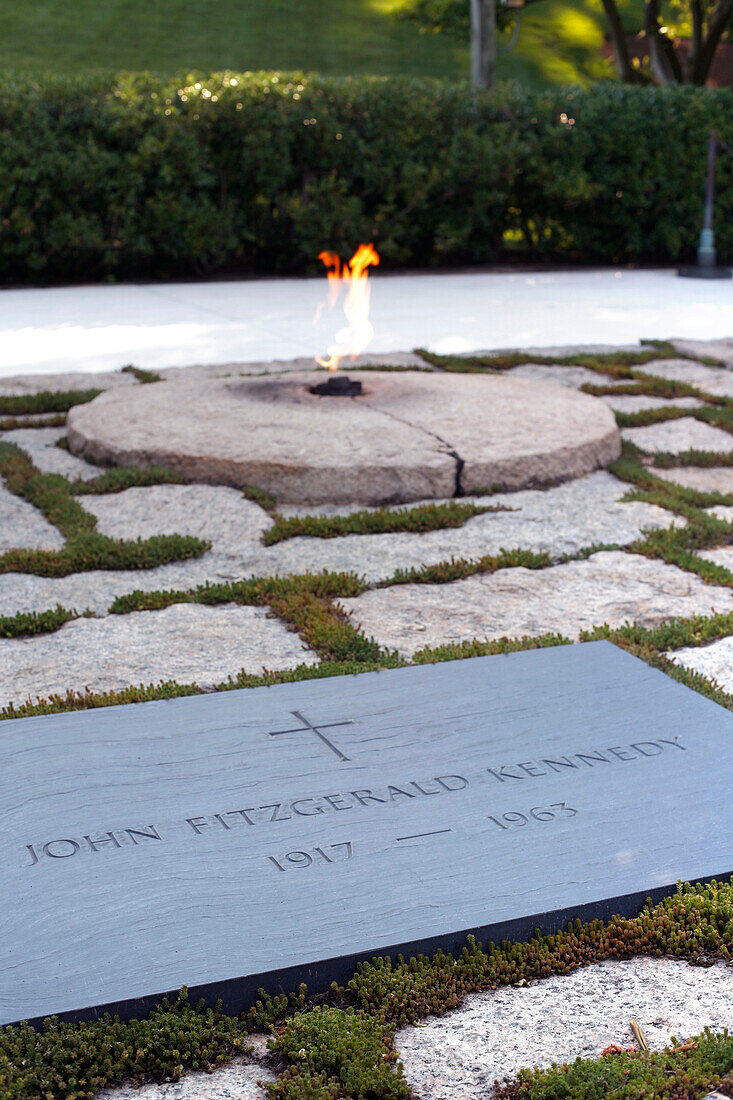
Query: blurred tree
[[682, 35]]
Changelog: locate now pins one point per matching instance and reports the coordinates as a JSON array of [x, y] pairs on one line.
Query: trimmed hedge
[[259, 172]]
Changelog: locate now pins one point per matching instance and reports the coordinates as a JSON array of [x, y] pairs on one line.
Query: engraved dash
[[415, 836]]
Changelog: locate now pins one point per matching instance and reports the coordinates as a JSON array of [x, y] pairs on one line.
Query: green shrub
[[260, 171], [680, 1071], [417, 520], [337, 1053], [26, 623], [50, 401], [85, 548], [61, 1061]]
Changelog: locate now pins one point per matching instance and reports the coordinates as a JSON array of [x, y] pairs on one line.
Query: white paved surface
[[176, 324]]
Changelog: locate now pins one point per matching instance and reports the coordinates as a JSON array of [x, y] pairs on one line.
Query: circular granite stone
[[410, 436]]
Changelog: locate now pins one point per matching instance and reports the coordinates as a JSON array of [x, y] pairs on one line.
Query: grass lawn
[[559, 42]]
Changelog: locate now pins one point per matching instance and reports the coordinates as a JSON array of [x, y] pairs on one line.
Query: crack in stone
[[460, 462]]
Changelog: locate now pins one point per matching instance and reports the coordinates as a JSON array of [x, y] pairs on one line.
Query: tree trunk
[[665, 63], [717, 26], [693, 56], [624, 68], [483, 43]]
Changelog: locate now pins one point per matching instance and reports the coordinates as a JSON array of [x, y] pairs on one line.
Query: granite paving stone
[[721, 511], [715, 380], [23, 527], [721, 555], [185, 642], [40, 446], [492, 1035], [65, 380], [236, 1081], [684, 434], [222, 515], [714, 661], [560, 521], [573, 377], [708, 479], [641, 402], [716, 349], [581, 513], [94, 591], [609, 587]]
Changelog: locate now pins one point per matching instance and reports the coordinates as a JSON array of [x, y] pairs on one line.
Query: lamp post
[[707, 266]]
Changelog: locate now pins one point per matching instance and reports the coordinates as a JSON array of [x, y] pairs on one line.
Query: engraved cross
[[315, 729]]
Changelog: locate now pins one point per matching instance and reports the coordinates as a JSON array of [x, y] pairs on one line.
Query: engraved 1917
[[331, 853]]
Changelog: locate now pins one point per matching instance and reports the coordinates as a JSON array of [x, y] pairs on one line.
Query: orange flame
[[357, 335]]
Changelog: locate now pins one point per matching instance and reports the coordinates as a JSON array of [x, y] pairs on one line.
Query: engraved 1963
[[332, 853], [515, 819]]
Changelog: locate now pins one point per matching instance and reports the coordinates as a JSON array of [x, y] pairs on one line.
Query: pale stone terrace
[[561, 522], [591, 510], [457, 1056]]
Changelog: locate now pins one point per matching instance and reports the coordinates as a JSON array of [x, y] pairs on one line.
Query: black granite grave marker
[[272, 836]]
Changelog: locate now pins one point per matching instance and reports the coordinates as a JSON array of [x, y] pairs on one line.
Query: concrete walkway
[[178, 324]]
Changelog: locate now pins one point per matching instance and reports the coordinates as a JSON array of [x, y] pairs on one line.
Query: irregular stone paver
[[237, 1081], [214, 512], [31, 419], [578, 514], [715, 380], [458, 1056], [400, 441], [559, 521], [685, 434], [722, 555], [716, 349], [574, 377], [66, 380], [708, 479], [40, 445], [714, 661], [184, 642], [609, 587], [23, 527], [640, 402], [721, 511], [95, 591]]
